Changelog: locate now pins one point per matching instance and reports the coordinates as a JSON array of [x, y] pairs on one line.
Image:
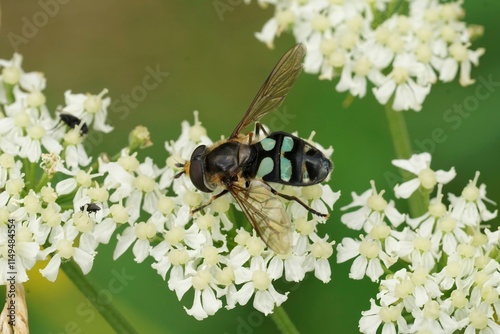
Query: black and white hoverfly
[[243, 165]]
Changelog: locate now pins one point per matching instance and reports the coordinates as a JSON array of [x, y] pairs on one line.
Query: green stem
[[114, 318], [33, 175], [9, 93], [42, 182], [418, 202], [283, 321]]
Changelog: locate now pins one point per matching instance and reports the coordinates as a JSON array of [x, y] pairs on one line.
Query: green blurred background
[[216, 66]]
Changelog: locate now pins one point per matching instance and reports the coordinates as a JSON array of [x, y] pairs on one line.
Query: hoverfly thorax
[[220, 163]]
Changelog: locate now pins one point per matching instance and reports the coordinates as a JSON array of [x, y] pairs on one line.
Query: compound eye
[[197, 169]]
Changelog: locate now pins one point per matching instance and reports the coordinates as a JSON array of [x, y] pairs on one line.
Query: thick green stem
[[283, 321], [418, 202], [114, 318]]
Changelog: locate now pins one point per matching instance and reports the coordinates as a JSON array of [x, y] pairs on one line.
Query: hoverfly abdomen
[[286, 159]]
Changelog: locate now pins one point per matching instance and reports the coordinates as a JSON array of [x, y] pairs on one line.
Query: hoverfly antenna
[[183, 171]]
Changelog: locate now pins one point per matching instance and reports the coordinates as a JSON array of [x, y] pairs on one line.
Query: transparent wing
[[275, 88], [267, 215]]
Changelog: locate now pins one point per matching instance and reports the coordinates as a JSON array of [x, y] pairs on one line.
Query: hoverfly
[[243, 165]]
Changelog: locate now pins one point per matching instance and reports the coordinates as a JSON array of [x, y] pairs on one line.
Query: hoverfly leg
[[259, 127], [298, 200], [222, 193], [250, 138]]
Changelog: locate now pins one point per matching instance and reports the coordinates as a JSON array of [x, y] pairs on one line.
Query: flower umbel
[[448, 280], [64, 204], [399, 48]]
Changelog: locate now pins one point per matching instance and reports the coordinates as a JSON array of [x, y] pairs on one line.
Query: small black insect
[[73, 122], [90, 208]]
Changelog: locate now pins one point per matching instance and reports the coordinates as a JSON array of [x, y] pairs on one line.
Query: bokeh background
[[216, 66]]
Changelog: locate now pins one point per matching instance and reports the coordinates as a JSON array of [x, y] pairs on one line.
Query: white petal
[[346, 250], [322, 270], [88, 243], [394, 216], [84, 260], [263, 302], [384, 91], [150, 203], [100, 122], [244, 294], [210, 303], [51, 270], [294, 270], [51, 144], [66, 186], [374, 270], [448, 70], [445, 177], [124, 241], [356, 219], [415, 164], [275, 268], [329, 196], [104, 230], [406, 189], [28, 250], [141, 250], [162, 267], [180, 286], [278, 297], [197, 310], [404, 99], [358, 268], [268, 32]]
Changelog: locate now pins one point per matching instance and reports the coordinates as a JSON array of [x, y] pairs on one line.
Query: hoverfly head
[[195, 169]]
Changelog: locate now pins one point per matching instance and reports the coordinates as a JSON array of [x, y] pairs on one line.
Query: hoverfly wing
[[275, 88], [266, 213]]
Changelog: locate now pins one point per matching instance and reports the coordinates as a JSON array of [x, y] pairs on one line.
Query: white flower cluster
[[398, 47], [211, 252], [44, 178], [64, 205], [448, 275]]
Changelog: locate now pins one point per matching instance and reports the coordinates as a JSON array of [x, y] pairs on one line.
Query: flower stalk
[[114, 318], [283, 321], [419, 201]]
